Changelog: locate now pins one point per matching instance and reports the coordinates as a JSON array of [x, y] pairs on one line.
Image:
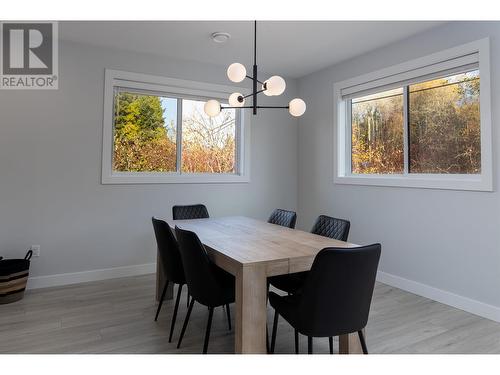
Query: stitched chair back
[[284, 218], [193, 211], [201, 273], [332, 227], [338, 291], [168, 249]]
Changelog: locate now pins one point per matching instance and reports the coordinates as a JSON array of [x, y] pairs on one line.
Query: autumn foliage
[[444, 128], [145, 142]]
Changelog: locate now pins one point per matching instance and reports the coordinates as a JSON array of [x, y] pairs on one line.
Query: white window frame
[[342, 128], [175, 88]]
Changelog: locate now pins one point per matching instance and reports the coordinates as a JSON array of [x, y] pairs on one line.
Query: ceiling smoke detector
[[220, 37]]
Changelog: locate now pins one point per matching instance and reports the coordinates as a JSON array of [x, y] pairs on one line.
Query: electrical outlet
[[36, 250]]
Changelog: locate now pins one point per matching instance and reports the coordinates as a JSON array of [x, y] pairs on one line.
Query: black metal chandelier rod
[[254, 78], [255, 67]]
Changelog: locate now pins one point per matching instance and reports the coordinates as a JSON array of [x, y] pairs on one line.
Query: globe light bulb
[[275, 86], [212, 108], [266, 91], [233, 100], [236, 72], [297, 107]]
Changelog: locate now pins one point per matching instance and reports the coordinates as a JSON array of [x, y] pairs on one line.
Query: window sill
[[174, 178], [421, 181]]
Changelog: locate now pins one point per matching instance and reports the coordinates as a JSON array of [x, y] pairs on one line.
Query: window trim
[[342, 157], [176, 88]]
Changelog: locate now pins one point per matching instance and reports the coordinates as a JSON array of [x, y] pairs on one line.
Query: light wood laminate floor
[[116, 316]]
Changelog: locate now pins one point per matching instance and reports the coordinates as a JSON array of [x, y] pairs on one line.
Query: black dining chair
[[193, 211], [332, 227], [336, 296], [208, 284], [325, 226], [171, 263], [284, 218]]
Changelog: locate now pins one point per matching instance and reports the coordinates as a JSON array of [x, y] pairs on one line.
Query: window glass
[[444, 123], [208, 143], [443, 128], [144, 133], [377, 133]]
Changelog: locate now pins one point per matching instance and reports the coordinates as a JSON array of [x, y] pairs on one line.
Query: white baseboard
[[463, 303], [93, 275]]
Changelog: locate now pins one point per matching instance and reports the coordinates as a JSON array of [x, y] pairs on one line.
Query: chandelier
[[273, 86]]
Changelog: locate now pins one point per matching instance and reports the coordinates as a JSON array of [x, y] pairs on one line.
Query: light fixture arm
[[262, 83], [258, 92], [259, 107]]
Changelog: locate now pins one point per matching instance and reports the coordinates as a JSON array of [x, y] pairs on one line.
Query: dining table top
[[249, 241]]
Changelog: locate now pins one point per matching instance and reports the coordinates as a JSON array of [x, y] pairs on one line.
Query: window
[[424, 123], [156, 131]]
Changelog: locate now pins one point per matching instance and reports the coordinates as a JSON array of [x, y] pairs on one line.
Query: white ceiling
[[289, 48]]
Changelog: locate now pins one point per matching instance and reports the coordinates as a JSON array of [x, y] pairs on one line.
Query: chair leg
[[174, 317], [363, 342], [330, 342], [275, 329], [209, 326], [161, 300], [268, 347], [296, 341], [186, 320], [228, 312], [309, 345]]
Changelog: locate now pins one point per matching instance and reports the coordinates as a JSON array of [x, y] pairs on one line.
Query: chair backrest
[[284, 218], [168, 249], [332, 227], [338, 291], [193, 211], [200, 271]]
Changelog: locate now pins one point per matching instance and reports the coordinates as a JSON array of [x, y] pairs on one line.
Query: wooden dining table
[[253, 250]]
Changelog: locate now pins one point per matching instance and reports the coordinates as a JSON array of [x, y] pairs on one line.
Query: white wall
[[441, 239], [50, 165], [50, 168]]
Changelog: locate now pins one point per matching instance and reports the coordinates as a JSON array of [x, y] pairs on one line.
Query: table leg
[[349, 344], [160, 281], [251, 310]]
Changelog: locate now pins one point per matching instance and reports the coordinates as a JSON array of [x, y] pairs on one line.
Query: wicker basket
[[13, 278]]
